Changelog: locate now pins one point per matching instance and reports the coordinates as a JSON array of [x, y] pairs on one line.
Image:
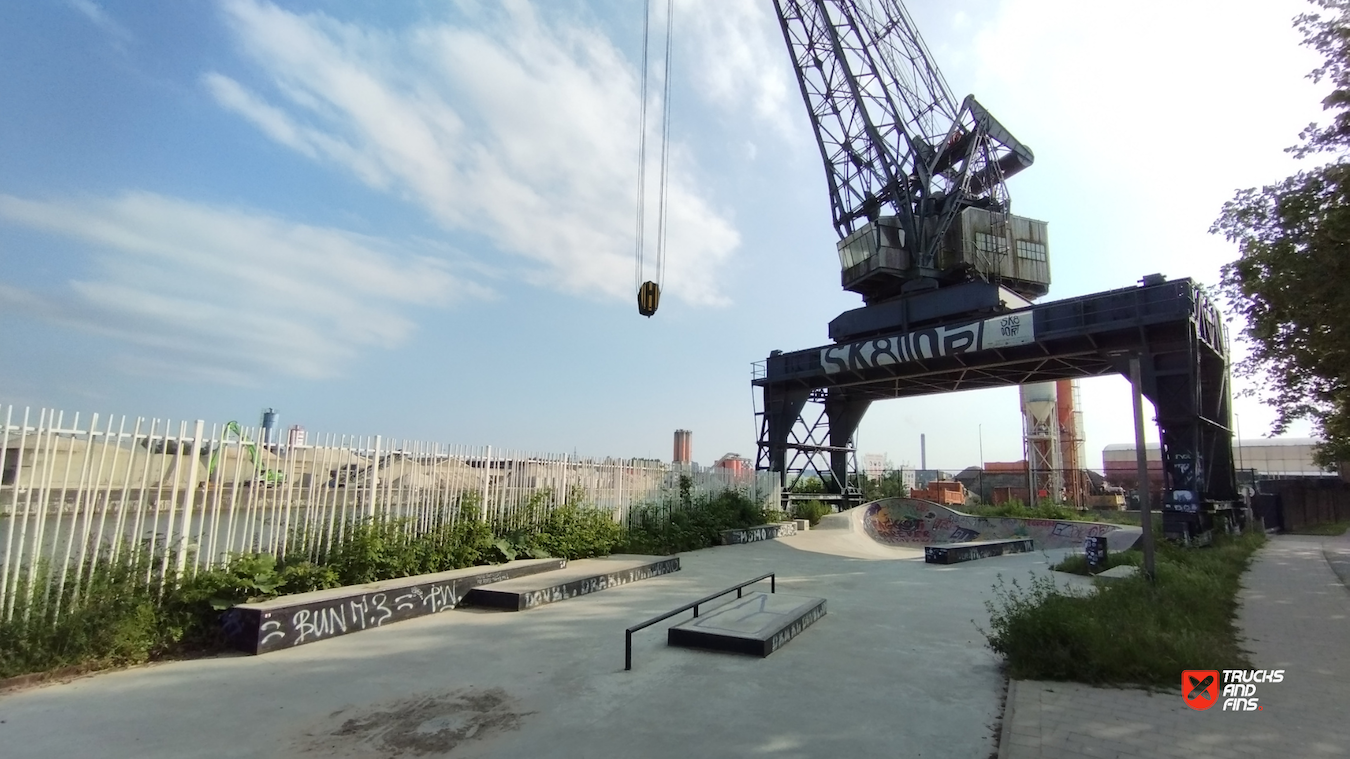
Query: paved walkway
[[1295, 616]]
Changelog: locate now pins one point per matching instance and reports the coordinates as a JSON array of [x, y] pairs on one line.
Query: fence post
[[488, 512], [194, 466], [373, 481], [13, 509]]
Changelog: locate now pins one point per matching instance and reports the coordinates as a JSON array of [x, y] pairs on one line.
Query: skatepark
[[896, 666]]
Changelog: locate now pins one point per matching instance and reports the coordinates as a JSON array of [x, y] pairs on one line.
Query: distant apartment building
[[874, 466]]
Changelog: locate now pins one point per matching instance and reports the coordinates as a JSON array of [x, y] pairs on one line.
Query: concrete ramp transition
[[910, 522]]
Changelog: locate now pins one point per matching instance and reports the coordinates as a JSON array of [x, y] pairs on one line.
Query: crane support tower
[[948, 276]]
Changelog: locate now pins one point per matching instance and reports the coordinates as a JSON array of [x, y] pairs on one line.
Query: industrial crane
[[916, 181], [947, 274]]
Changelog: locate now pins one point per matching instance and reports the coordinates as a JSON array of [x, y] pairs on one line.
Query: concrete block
[[756, 534], [308, 617], [578, 579], [1117, 573], [757, 624], [952, 553]]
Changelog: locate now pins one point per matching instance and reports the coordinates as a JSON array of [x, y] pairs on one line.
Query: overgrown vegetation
[[696, 523], [1077, 563], [117, 618], [810, 510], [1016, 509], [1130, 631]]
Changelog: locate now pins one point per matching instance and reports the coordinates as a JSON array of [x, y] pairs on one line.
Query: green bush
[[112, 621], [812, 510], [656, 530], [1131, 630], [575, 532]]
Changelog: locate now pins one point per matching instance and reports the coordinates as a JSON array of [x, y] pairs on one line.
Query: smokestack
[[684, 447], [923, 452]]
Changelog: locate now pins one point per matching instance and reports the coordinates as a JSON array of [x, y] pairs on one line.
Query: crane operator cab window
[[879, 244]]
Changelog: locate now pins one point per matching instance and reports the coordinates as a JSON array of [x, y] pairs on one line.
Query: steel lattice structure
[[892, 137]]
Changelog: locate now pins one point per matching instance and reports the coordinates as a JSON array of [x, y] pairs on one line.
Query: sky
[[417, 219]]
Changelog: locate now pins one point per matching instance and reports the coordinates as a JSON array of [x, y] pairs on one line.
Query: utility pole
[[1141, 459]]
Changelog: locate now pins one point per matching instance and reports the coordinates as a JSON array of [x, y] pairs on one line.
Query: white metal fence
[[73, 491]]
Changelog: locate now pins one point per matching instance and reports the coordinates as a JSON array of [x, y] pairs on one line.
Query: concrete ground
[[896, 668], [1295, 616]]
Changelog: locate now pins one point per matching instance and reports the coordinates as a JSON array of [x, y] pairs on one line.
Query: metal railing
[[628, 634]]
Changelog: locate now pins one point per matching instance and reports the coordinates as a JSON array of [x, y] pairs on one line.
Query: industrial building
[[1257, 459]]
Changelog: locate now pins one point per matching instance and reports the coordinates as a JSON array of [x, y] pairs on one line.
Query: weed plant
[[1077, 563], [695, 523], [1130, 631], [811, 510]]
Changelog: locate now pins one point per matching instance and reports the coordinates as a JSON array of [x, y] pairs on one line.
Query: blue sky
[[416, 219]]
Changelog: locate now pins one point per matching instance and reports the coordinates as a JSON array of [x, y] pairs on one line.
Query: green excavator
[[265, 475]]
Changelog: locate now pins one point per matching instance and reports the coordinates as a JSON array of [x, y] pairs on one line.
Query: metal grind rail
[[628, 634]]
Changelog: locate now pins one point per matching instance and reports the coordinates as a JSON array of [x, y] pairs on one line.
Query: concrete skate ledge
[[757, 624], [953, 553], [580, 578], [302, 618], [756, 534]]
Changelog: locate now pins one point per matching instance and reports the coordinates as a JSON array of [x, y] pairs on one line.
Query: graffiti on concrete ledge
[[909, 521]]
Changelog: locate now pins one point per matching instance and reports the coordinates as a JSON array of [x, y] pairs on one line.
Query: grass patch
[[1332, 529], [1130, 631], [1077, 563]]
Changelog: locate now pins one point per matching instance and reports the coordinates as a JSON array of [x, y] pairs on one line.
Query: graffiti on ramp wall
[[907, 521]]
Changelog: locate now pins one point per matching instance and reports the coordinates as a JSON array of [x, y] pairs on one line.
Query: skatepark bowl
[[898, 667]]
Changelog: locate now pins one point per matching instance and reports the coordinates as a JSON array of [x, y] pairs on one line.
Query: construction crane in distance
[[916, 180]]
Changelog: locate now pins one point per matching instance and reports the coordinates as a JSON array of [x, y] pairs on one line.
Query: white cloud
[[100, 18], [231, 292], [523, 132], [739, 57]]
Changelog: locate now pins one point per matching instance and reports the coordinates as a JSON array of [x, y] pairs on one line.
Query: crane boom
[[902, 158]]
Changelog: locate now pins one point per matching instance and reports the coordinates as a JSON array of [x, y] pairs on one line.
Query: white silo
[[1040, 417]]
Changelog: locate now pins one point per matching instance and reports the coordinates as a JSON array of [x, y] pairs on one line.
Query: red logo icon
[[1200, 688]]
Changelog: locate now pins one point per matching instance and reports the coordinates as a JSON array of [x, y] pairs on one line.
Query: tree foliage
[[1291, 281], [889, 485]]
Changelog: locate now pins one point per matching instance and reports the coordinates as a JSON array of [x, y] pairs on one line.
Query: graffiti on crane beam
[[933, 342]]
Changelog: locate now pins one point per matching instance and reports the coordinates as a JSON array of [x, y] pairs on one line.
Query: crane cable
[[665, 152], [664, 168], [642, 148]]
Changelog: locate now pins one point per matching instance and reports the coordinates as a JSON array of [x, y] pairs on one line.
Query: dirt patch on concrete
[[419, 726]]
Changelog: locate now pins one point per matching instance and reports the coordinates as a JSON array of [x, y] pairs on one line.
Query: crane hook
[[649, 297]]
